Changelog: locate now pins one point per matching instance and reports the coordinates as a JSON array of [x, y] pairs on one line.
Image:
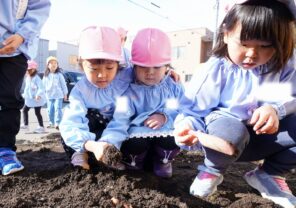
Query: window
[[188, 77], [178, 52]]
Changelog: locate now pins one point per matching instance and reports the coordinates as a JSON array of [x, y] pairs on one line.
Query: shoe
[[164, 170], [57, 127], [271, 187], [39, 130], [8, 162], [205, 184], [80, 159], [25, 127], [50, 126]]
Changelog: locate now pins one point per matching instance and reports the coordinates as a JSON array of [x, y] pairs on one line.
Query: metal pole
[[216, 23]]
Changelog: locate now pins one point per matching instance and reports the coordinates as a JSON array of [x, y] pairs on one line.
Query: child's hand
[[155, 121], [97, 148], [175, 76], [65, 98], [183, 136], [11, 44], [37, 98], [265, 120]]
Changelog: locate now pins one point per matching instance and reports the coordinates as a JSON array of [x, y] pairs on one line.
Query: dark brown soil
[[48, 180]]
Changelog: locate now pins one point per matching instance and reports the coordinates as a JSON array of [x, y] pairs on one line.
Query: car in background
[[71, 78]]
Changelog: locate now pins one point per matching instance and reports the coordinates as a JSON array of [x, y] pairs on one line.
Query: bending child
[[227, 99], [142, 124]]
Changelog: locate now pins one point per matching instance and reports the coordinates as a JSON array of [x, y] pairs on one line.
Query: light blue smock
[[27, 25], [221, 88], [74, 125], [137, 104], [33, 89], [55, 85]]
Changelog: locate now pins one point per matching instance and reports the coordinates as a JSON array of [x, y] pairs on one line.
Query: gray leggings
[[278, 150]]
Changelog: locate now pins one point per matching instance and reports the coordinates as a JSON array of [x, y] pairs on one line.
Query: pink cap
[[122, 32], [151, 48], [32, 64], [100, 43], [291, 4]]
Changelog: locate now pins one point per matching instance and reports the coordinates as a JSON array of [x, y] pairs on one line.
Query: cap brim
[[101, 55]]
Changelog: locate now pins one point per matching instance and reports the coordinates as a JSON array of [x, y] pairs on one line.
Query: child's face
[[52, 65], [247, 54], [31, 71], [150, 75], [100, 72]]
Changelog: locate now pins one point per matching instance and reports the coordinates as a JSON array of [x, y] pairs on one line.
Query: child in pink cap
[[245, 94], [143, 119], [34, 96], [92, 100]]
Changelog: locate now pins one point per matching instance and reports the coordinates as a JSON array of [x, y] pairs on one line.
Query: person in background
[[143, 119], [55, 90], [20, 25], [34, 97], [125, 53], [245, 94]]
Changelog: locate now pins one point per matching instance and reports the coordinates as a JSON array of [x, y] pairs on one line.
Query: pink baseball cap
[[151, 48], [32, 64], [100, 43], [122, 32], [291, 4]]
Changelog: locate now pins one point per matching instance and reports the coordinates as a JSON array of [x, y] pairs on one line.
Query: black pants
[[12, 71], [37, 113], [96, 125]]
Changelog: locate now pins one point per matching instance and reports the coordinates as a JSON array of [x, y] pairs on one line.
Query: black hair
[[267, 20]]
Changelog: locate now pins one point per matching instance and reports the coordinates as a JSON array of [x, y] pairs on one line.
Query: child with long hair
[[227, 98]]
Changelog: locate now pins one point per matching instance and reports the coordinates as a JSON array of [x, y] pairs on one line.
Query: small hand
[[37, 98], [97, 148], [11, 44], [265, 120], [65, 98], [155, 121], [175, 76], [183, 136]]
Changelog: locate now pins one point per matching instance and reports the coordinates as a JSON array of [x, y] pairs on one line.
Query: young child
[[254, 50], [20, 25], [144, 117], [34, 96], [55, 90], [92, 98], [125, 53]]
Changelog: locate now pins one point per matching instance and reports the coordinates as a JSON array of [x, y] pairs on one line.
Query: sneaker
[[57, 127], [205, 184], [79, 159], [50, 126], [23, 126], [8, 162], [271, 187], [39, 130], [164, 170]]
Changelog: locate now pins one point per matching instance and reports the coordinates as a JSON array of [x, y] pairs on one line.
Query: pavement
[[28, 137]]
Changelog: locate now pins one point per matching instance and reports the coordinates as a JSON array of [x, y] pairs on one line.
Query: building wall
[[42, 54], [67, 55], [190, 48]]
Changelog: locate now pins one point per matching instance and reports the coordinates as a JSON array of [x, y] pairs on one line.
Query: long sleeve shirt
[[55, 86], [74, 125], [137, 104], [33, 89], [221, 88], [17, 17]]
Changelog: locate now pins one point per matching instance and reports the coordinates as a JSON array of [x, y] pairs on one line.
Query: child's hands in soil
[[105, 153], [265, 120], [155, 121]]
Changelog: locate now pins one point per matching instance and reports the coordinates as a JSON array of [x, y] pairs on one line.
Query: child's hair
[[267, 20], [32, 65]]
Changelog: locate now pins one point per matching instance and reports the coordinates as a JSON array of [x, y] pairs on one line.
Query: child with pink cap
[[34, 97], [93, 98], [143, 119], [245, 94]]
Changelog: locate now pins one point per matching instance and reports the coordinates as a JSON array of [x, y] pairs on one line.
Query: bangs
[[259, 24]]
